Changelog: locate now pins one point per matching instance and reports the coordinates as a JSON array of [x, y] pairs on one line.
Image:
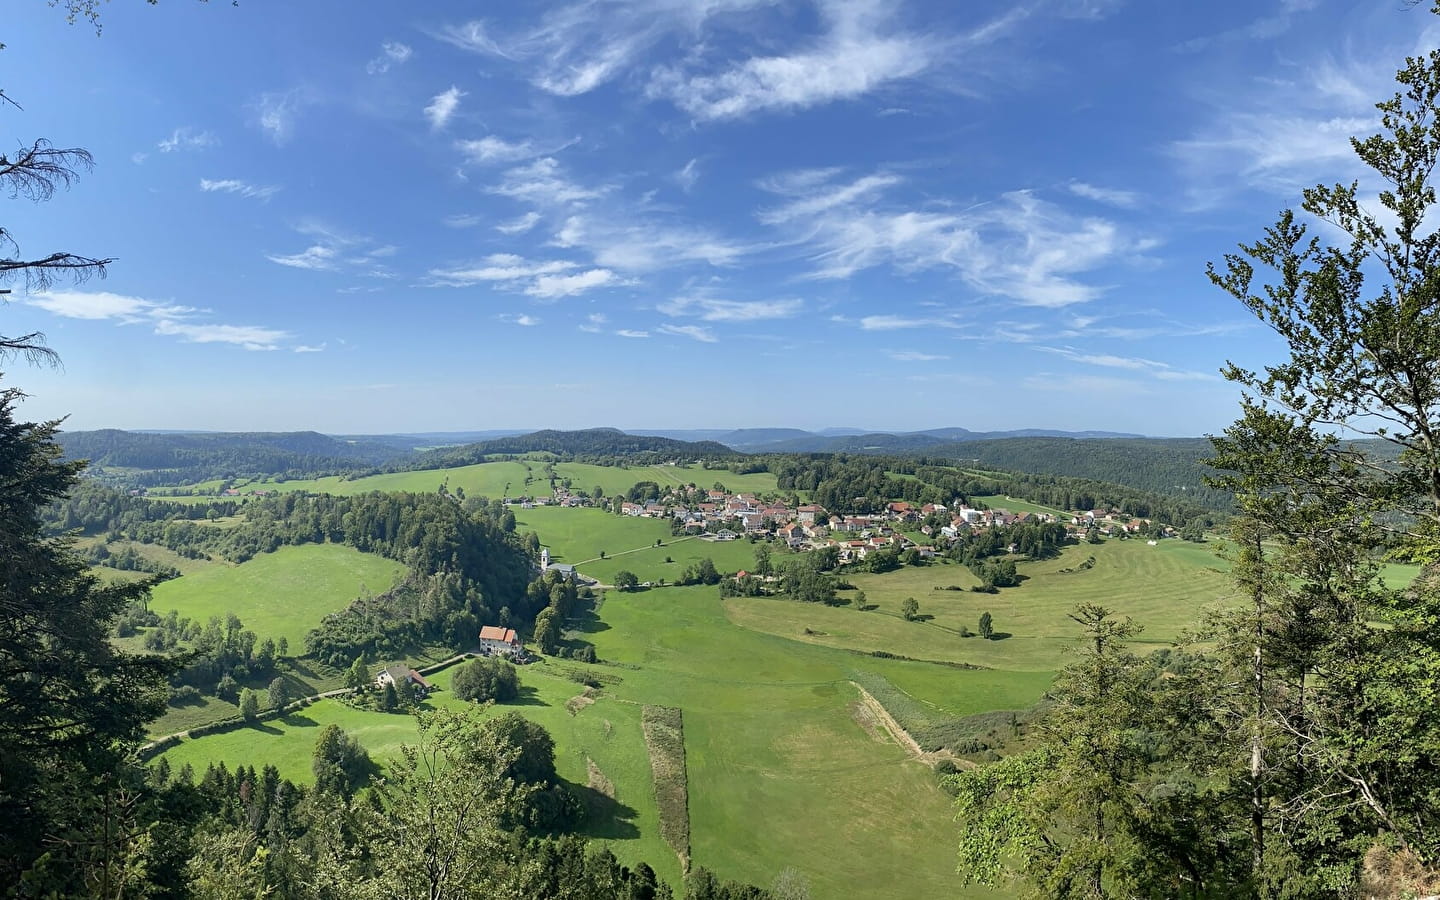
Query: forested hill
[[197, 456], [1171, 467], [590, 442]]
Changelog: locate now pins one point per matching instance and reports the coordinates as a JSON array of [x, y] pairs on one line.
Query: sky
[[387, 217]]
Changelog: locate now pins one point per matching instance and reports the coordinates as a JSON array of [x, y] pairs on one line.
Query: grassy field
[[1016, 505], [493, 479], [280, 594], [577, 536], [780, 770], [1164, 588], [605, 735]]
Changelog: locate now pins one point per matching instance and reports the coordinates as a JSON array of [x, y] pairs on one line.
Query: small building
[[494, 639], [400, 674]]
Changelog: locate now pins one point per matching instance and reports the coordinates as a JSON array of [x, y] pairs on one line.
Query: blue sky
[[379, 217]]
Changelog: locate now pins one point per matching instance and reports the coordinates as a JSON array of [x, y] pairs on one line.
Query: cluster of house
[[725, 516]]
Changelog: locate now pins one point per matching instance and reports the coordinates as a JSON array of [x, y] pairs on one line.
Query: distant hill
[[196, 456], [1168, 466], [792, 440], [587, 442]]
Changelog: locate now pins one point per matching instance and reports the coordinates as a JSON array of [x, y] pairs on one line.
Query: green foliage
[[987, 626], [249, 705], [625, 580], [486, 679], [909, 609], [664, 728], [279, 694], [339, 763]]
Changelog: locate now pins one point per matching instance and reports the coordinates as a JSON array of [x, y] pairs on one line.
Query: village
[[718, 515]]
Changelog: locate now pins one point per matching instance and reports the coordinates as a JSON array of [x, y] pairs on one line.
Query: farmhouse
[[494, 639], [398, 675]]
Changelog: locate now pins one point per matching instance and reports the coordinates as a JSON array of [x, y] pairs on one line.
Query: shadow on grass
[[605, 817], [262, 727], [1000, 635], [296, 720], [528, 696]]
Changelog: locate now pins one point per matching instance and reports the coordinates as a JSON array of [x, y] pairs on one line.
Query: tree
[[357, 677], [909, 609], [1064, 816], [389, 697], [547, 631], [861, 601], [763, 564], [249, 705], [485, 679], [626, 580], [339, 763], [279, 693], [987, 626], [1338, 660]]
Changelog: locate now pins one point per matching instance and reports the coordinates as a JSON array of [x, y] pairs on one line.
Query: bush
[[485, 679]]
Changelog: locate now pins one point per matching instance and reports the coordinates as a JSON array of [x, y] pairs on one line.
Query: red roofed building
[[494, 639]]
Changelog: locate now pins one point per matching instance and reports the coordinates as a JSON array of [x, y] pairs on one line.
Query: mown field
[[1164, 588], [781, 771], [280, 594], [606, 734], [512, 477], [577, 537]]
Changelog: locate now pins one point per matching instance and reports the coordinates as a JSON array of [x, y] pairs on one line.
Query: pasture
[[577, 536], [501, 478], [280, 594], [783, 768], [1164, 588]]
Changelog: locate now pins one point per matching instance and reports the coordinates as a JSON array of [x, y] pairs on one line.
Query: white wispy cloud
[[576, 47], [461, 220], [915, 356], [594, 323], [276, 113], [1016, 246], [551, 287], [1292, 128], [1153, 368], [250, 337], [236, 186], [491, 149], [169, 319], [688, 175], [392, 53], [333, 249], [544, 183], [858, 53], [542, 279], [1269, 25], [1111, 196], [306, 348], [623, 238], [187, 138], [631, 333], [519, 319], [713, 310], [694, 332], [520, 225], [442, 106], [893, 323], [316, 257]]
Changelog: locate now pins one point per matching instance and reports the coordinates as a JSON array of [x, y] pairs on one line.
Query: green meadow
[[1164, 588], [280, 594], [1016, 505], [782, 769], [603, 737], [578, 536], [501, 478]]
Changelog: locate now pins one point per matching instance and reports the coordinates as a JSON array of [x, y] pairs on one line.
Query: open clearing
[[508, 477], [577, 536], [1164, 588], [780, 773], [280, 594]]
